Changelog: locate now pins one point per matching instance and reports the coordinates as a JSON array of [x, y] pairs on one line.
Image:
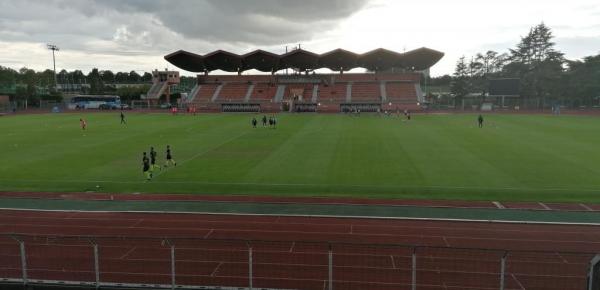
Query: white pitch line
[[498, 205], [586, 207], [544, 206]]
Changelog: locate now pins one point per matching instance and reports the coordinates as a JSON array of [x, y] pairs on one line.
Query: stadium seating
[[409, 77], [371, 91], [233, 92], [236, 79], [156, 90], [304, 90], [401, 92], [366, 92], [333, 93], [402, 95], [205, 93], [263, 92]]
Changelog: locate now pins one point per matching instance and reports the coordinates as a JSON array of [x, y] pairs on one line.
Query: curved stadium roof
[[336, 60]]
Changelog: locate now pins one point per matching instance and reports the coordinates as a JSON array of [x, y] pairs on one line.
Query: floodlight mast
[[54, 48]]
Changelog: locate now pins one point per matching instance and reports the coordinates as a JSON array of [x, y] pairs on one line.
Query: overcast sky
[[130, 35]]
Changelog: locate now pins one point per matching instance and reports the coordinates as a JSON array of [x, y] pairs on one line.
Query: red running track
[[204, 257]]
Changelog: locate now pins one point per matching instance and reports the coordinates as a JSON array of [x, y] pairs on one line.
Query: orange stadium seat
[[205, 93], [233, 92], [401, 92], [333, 93], [366, 92], [263, 92]]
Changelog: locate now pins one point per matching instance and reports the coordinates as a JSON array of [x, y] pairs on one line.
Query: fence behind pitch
[[189, 262]]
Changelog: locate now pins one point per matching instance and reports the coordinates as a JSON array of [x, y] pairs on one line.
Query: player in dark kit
[[146, 167], [480, 121], [254, 122], [264, 120], [123, 118], [170, 160], [153, 160]]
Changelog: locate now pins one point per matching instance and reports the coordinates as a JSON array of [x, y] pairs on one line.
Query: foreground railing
[[252, 264]]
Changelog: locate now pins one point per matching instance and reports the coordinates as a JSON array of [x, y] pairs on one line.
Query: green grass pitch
[[514, 157]]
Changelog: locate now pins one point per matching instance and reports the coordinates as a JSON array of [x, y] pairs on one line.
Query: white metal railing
[[40, 259]]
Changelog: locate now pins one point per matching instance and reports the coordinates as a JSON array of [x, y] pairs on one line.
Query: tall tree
[[96, 85], [78, 77], [63, 77], [147, 77], [582, 78], [121, 77], [491, 62], [29, 79], [460, 85], [538, 64], [8, 76], [107, 76], [134, 77]]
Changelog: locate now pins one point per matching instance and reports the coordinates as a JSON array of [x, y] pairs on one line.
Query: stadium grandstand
[[392, 80]]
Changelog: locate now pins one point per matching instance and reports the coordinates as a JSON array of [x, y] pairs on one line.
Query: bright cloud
[[136, 34]]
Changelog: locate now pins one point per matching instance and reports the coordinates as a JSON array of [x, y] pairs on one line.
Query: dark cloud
[[294, 10], [136, 26], [252, 22]]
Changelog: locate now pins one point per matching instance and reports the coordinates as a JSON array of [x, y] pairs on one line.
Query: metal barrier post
[[330, 266], [250, 267], [172, 266], [594, 264], [96, 265], [23, 262], [502, 270], [414, 269]]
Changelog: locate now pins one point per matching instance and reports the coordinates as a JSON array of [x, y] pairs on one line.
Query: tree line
[[546, 77], [27, 84]]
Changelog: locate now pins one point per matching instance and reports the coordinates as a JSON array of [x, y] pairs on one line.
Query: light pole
[[54, 48]]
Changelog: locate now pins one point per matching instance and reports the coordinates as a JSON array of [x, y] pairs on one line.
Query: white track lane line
[[316, 216]]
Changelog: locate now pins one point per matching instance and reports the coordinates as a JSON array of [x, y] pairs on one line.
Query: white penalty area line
[[311, 216]]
